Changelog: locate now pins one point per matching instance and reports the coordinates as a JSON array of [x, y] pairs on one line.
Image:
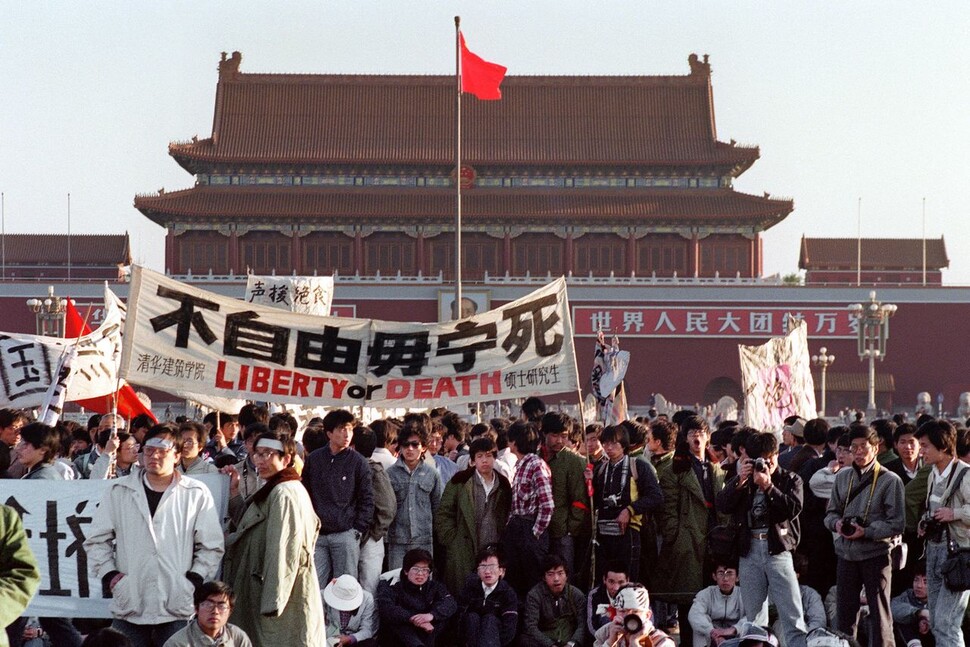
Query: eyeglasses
[[729, 572], [856, 448], [411, 445], [488, 568], [210, 605], [420, 570], [265, 454]]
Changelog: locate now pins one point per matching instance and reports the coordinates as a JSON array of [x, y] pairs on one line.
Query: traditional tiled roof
[[656, 207], [52, 249], [877, 253], [289, 119]]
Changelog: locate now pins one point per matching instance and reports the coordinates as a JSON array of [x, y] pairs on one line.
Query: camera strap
[[948, 491], [862, 486]]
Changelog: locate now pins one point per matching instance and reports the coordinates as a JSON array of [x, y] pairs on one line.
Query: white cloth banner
[[309, 295], [29, 363], [56, 516], [179, 337], [777, 380]]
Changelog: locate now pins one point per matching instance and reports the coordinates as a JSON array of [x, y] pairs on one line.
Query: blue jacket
[[418, 494]]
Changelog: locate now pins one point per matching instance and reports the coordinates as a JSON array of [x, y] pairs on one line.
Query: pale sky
[[846, 100]]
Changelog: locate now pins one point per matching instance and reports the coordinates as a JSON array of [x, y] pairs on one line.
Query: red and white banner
[[716, 321], [777, 380], [179, 337], [29, 363]]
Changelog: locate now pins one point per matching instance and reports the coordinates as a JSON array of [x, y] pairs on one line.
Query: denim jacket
[[418, 494]]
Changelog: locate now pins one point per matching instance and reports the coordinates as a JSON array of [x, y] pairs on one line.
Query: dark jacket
[[648, 498], [398, 602], [502, 603], [784, 504], [341, 489]]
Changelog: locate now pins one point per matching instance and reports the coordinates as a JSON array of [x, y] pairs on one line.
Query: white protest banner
[[777, 380], [309, 295], [56, 516], [28, 364], [181, 337]]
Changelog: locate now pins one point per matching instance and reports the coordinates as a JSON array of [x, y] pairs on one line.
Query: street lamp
[[873, 328], [49, 313], [823, 360]]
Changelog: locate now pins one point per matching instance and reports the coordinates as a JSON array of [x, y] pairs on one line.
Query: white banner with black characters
[[309, 295], [29, 363], [777, 379], [180, 337], [56, 517]]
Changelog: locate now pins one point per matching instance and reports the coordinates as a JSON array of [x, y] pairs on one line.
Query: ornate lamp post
[[823, 360], [49, 313], [873, 323]]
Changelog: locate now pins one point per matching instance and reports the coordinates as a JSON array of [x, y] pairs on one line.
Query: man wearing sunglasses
[[417, 487]]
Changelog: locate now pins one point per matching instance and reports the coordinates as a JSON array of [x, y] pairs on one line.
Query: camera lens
[[632, 624]]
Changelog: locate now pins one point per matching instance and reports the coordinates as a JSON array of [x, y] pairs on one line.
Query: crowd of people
[[429, 530]]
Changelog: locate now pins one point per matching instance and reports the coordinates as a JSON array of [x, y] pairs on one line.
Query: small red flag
[[478, 76]]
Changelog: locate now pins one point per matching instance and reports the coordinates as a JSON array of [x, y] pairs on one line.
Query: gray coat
[[885, 515]]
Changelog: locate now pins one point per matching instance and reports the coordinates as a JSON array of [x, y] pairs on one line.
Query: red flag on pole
[[129, 405], [478, 76]]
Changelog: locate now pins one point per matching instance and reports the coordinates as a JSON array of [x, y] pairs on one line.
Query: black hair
[[166, 429], [214, 587], [618, 434], [533, 409], [42, 437], [525, 436], [664, 432], [940, 433], [364, 441], [552, 561], [416, 556], [816, 431], [491, 550], [337, 418], [761, 444], [885, 429], [250, 413], [556, 422], [482, 445]]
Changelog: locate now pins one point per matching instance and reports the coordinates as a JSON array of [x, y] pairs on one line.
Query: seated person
[[415, 609], [213, 604], [911, 613], [488, 606], [717, 612], [632, 622], [616, 575], [813, 609], [555, 611], [350, 613]]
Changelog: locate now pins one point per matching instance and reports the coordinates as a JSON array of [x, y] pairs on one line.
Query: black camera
[[632, 624], [850, 524], [759, 465], [932, 527]]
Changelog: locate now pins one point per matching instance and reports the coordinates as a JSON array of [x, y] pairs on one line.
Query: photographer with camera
[[946, 519], [765, 501], [866, 511], [625, 490], [632, 622]]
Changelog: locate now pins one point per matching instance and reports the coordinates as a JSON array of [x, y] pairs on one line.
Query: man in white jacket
[[154, 538]]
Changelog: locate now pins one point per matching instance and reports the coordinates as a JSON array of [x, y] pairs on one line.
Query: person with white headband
[[153, 539], [269, 554]]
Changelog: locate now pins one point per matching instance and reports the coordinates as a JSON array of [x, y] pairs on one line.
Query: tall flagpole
[[456, 309], [3, 234], [924, 242], [68, 236], [858, 250]]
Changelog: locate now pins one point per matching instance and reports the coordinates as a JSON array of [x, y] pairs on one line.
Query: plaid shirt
[[532, 492]]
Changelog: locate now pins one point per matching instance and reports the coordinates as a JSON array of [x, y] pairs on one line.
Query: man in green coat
[[19, 577], [689, 488], [571, 525], [472, 513]]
